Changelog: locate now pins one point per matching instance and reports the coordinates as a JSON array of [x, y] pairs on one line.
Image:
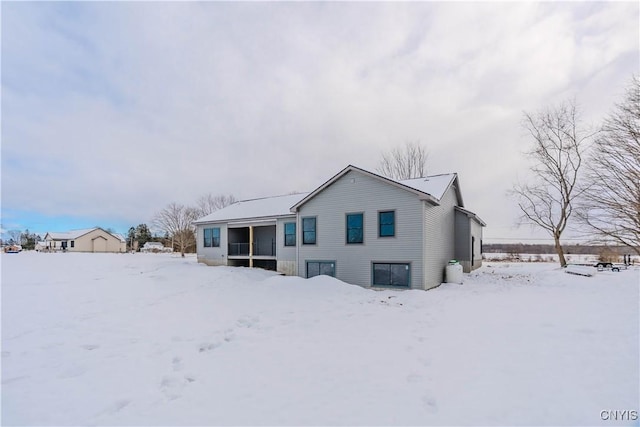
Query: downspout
[[423, 221], [298, 242]]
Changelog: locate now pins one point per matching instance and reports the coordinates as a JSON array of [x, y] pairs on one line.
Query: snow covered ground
[[153, 339]]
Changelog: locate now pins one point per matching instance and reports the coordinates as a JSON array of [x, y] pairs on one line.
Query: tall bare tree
[[610, 206], [177, 221], [406, 162], [209, 203], [547, 201]]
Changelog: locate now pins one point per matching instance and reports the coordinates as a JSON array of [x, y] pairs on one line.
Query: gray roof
[[255, 208], [431, 188]]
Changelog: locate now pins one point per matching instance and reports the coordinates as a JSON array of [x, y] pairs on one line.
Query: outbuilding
[[85, 240]]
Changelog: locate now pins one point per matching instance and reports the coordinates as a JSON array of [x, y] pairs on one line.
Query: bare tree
[[407, 162], [610, 206], [557, 155], [177, 221], [209, 203], [15, 236]]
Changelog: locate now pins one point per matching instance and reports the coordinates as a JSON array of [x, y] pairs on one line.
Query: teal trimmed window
[[355, 228], [391, 274], [212, 237], [309, 231], [387, 224], [290, 234]]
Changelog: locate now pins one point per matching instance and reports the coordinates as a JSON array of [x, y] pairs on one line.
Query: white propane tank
[[453, 272]]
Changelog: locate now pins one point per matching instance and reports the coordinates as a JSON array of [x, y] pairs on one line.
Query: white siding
[[352, 193]]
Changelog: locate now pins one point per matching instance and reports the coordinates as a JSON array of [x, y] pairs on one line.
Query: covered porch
[[252, 245]]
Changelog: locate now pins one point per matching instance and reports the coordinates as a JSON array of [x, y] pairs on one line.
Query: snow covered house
[[358, 226], [86, 240]]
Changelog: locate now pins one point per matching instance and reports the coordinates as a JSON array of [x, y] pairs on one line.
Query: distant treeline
[[523, 248]]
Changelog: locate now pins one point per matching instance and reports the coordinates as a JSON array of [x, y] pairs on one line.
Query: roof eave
[[421, 194], [247, 219]]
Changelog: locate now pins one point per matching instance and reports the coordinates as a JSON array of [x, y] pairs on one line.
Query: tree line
[[176, 222]]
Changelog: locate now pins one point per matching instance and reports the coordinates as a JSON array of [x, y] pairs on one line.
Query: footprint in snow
[[177, 364], [430, 403], [247, 321], [172, 385], [414, 378], [204, 347], [90, 346], [117, 406]]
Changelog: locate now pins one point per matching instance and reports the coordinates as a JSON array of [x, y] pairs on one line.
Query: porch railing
[[242, 249]]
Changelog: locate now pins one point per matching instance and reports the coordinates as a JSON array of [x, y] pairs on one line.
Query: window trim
[[346, 228], [380, 224], [409, 276], [315, 230], [294, 234], [212, 238]]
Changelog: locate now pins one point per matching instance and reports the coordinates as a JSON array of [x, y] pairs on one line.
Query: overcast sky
[[112, 110]]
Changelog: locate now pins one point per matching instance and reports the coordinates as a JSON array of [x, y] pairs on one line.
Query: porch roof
[[266, 207]]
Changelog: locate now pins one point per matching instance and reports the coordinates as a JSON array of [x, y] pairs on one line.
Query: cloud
[[112, 110]]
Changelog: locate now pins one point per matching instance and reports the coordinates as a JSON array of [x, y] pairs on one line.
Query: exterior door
[[99, 244]]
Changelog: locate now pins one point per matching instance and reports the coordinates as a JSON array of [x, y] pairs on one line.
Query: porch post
[[251, 246]]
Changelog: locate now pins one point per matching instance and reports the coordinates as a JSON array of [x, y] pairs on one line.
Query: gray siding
[[463, 237], [355, 192], [476, 231], [285, 253], [212, 256], [439, 241], [467, 229]]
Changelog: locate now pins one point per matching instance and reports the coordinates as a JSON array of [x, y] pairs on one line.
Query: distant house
[[358, 226], [155, 247], [86, 240], [12, 249]]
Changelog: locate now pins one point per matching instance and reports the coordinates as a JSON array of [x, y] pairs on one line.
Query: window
[[215, 241], [212, 237], [73, 243], [290, 234], [309, 231], [387, 224], [354, 228], [317, 268], [391, 274]]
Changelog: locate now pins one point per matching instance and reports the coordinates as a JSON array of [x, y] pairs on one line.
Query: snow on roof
[[269, 207], [255, 208], [67, 235], [435, 185], [74, 234]]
